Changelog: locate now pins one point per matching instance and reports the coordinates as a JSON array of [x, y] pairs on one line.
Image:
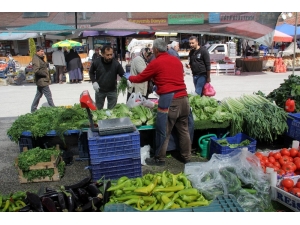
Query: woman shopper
[[74, 67]]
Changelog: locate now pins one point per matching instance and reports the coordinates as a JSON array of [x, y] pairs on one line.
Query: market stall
[[249, 65]]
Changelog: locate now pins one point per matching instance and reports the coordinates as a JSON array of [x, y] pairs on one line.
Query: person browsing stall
[[199, 63], [42, 79], [59, 61], [173, 105], [103, 74]]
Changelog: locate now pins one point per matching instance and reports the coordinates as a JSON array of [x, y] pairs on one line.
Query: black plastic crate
[[26, 141]]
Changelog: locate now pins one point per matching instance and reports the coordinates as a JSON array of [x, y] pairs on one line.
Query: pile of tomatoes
[[290, 186], [284, 161]]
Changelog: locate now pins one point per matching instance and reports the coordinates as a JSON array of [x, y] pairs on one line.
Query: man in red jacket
[[173, 105]]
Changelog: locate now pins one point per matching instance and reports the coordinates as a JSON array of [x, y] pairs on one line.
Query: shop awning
[[165, 34], [17, 36]]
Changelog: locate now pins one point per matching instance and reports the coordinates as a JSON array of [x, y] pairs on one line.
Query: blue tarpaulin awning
[[288, 29], [44, 26]]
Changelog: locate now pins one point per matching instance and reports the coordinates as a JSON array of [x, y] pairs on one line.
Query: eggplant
[[93, 190], [106, 193], [34, 201], [53, 195], [62, 202], [49, 204], [70, 201], [80, 184], [76, 199], [92, 206], [48, 189], [83, 195]]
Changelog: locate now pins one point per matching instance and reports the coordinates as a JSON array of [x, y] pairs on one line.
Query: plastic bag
[[134, 100], [147, 103], [145, 153], [208, 90]]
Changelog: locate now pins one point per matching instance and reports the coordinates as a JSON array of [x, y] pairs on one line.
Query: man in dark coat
[[42, 78], [74, 66]]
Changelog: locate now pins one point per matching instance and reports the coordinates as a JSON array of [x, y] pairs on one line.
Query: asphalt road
[[16, 100]]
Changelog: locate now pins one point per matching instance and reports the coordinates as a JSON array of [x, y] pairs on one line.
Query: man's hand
[[126, 75], [96, 86], [208, 80]]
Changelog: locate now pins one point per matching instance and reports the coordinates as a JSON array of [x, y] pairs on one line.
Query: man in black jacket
[[199, 62], [103, 74]]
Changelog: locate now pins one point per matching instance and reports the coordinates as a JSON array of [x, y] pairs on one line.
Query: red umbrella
[[248, 29]]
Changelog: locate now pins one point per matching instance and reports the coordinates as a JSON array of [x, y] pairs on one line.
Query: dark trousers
[[59, 71], [174, 114], [39, 93], [112, 98]]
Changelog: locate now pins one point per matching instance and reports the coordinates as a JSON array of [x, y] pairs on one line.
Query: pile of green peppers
[[160, 191]]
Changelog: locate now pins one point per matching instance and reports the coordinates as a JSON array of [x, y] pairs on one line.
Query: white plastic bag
[[147, 103], [145, 153], [134, 100]]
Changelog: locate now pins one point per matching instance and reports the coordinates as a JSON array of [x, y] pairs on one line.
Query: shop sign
[[214, 17], [236, 17], [150, 21], [186, 19]]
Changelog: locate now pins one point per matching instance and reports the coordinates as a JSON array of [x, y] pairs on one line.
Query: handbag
[[208, 90]]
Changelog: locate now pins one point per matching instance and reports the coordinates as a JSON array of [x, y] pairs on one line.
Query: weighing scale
[[108, 126]]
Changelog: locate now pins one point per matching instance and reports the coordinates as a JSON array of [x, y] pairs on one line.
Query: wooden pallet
[[53, 164]]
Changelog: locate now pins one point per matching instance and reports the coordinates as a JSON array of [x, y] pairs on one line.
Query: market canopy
[[44, 26], [17, 36], [90, 33], [246, 29], [274, 36], [121, 25], [288, 29]]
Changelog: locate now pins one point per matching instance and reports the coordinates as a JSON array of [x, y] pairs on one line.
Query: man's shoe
[[154, 162]]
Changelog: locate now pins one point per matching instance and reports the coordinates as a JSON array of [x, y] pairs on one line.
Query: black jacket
[[106, 74], [199, 61]]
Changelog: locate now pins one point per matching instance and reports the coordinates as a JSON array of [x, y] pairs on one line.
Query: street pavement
[[17, 99]]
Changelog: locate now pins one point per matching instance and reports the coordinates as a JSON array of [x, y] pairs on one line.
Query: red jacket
[[166, 73]]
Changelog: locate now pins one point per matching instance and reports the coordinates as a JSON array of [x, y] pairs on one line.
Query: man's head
[[40, 51], [175, 45], [193, 42], [159, 46], [169, 46], [59, 48], [146, 53], [107, 53], [97, 50]]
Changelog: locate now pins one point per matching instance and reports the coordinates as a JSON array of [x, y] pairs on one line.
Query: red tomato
[[291, 159], [296, 191], [293, 152], [277, 155], [297, 163], [296, 159], [276, 168], [280, 172], [297, 185], [271, 154], [298, 154], [288, 167], [268, 164], [283, 160], [265, 159], [258, 155], [285, 151], [277, 164], [271, 159], [287, 183], [294, 167]]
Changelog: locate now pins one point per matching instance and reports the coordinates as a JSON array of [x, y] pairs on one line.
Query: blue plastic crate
[[113, 147], [25, 141], [52, 133], [215, 147], [130, 167], [222, 203], [294, 130]]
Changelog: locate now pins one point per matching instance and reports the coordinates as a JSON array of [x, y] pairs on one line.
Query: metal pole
[[75, 20], [295, 42]]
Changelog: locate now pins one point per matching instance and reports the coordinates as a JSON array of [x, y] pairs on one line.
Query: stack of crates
[[114, 156]]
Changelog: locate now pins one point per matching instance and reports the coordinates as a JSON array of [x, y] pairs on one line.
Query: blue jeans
[[199, 82]]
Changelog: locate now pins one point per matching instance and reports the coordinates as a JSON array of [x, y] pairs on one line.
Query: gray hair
[[174, 43], [160, 45]]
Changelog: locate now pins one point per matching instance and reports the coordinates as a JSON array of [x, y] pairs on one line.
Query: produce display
[[290, 87], [12, 202], [284, 161], [256, 116], [26, 159], [160, 191], [207, 110], [288, 185], [224, 142]]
